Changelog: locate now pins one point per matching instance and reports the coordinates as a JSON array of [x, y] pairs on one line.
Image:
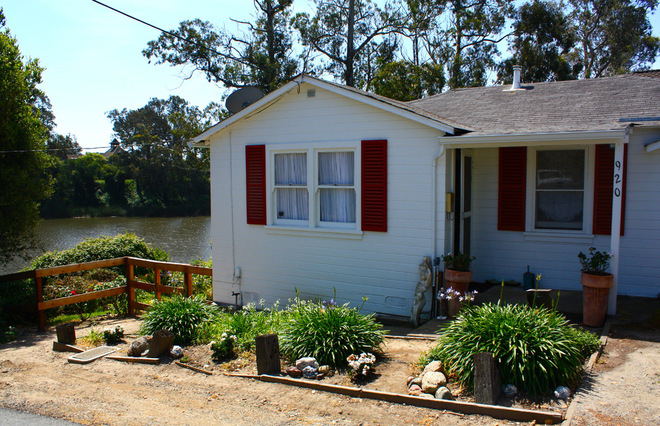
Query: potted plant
[[596, 284], [457, 271]]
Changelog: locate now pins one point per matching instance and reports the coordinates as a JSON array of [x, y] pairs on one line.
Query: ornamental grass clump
[[328, 332], [537, 348], [185, 317], [246, 324]]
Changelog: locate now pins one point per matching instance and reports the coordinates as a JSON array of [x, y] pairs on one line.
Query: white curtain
[[337, 169], [291, 171]]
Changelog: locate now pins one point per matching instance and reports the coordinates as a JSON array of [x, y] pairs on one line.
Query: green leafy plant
[[94, 337], [185, 317], [458, 262], [328, 332], [246, 324], [537, 349], [596, 262], [224, 348], [114, 335]]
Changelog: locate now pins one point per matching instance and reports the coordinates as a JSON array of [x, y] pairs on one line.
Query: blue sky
[[93, 57]]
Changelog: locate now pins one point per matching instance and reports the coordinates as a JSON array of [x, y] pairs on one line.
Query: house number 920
[[617, 179]]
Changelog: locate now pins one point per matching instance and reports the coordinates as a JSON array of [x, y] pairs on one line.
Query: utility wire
[[53, 149], [161, 30]]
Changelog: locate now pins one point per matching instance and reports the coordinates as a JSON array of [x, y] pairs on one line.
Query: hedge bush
[[537, 348]]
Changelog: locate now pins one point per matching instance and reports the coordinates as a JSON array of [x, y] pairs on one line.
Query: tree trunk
[[350, 52]]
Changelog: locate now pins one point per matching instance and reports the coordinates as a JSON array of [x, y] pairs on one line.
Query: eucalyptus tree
[[348, 33], [23, 160], [613, 36], [263, 56], [543, 38]]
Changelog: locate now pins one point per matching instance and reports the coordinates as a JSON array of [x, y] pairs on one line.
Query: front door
[[463, 201]]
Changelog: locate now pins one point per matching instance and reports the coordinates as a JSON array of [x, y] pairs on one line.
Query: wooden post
[[160, 343], [157, 282], [268, 354], [187, 279], [66, 333], [486, 378], [130, 277], [40, 298]]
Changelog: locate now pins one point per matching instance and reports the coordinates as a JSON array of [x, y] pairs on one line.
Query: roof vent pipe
[[516, 77]]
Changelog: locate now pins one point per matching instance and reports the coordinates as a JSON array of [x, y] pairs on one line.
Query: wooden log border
[[496, 411]]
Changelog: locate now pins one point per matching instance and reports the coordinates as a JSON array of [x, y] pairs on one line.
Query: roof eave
[[532, 139]]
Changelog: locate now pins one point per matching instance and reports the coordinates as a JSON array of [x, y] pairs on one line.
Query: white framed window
[[559, 190], [315, 186]]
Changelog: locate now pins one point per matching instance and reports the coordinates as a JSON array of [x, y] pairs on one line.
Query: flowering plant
[[362, 364], [596, 262], [223, 348], [452, 294], [458, 262]]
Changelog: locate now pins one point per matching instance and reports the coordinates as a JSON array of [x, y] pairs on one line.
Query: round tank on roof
[[242, 98]]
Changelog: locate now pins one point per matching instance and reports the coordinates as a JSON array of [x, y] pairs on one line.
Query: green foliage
[[596, 262], [224, 348], [537, 349], [114, 335], [23, 164], [458, 262], [328, 332], [100, 248], [202, 284], [185, 317], [405, 81], [246, 324], [7, 332], [94, 337]]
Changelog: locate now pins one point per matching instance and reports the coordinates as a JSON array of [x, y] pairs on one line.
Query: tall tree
[[23, 162], [543, 37], [614, 36], [63, 147], [406, 81], [467, 41], [263, 57], [345, 31]]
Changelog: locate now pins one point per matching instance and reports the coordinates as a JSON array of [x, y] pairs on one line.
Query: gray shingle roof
[[565, 106]]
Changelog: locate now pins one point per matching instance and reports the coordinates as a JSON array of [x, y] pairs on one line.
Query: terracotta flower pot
[[458, 280], [595, 292]]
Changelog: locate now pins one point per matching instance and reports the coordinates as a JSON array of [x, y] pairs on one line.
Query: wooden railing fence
[[131, 282]]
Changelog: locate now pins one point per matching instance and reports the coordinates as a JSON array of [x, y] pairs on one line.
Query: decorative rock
[[415, 390], [432, 380], [176, 352], [416, 381], [562, 392], [325, 370], [510, 390], [444, 393], [310, 372], [294, 372], [306, 362], [138, 346], [426, 395], [320, 376], [409, 380], [434, 366]]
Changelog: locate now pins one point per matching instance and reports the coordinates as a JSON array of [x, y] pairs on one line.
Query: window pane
[[338, 205], [559, 209], [291, 169], [336, 168], [560, 169], [292, 203]]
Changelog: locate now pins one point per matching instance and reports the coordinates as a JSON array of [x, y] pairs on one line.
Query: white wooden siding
[[505, 255], [381, 266]]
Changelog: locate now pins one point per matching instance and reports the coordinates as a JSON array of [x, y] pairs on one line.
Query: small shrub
[[7, 332], [537, 349], [328, 332], [94, 337], [113, 336], [246, 324], [224, 348], [185, 317]]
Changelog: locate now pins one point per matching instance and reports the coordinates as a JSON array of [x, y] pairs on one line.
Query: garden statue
[[424, 284]]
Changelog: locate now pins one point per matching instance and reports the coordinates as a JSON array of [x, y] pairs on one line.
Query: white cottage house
[[320, 188]]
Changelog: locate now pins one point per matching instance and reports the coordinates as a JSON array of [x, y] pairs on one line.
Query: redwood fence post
[[187, 279], [40, 298], [131, 290], [157, 282]]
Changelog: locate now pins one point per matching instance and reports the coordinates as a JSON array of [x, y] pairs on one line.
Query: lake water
[[184, 238]]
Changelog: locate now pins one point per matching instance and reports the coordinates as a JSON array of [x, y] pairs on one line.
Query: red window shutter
[[255, 171], [512, 186], [374, 185], [603, 186]]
